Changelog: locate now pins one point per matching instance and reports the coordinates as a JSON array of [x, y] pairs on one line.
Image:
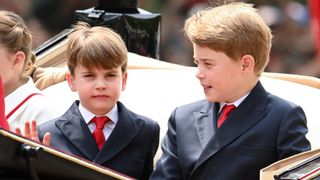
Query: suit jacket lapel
[[250, 111], [127, 127], [74, 128], [204, 123]]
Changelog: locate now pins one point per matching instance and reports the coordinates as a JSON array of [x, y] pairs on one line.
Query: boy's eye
[[111, 75], [88, 75]]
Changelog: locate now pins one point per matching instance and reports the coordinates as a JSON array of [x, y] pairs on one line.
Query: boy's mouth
[[100, 96], [206, 88]]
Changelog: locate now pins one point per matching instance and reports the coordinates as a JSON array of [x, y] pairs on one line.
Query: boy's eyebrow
[[112, 70], [86, 71], [202, 59]]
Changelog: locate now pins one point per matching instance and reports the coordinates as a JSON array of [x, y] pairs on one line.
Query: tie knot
[[226, 110], [100, 121]]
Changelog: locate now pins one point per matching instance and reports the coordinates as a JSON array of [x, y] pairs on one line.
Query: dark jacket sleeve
[[168, 166], [148, 168], [292, 134]]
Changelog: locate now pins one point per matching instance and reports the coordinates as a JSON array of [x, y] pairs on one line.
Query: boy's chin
[[100, 110], [213, 99]]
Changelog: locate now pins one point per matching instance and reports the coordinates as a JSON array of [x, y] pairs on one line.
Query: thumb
[[46, 139]]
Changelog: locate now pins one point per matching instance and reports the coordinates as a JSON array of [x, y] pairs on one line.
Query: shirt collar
[[87, 115], [236, 103]]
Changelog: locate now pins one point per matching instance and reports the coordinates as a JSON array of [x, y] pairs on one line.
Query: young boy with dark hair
[[98, 127]]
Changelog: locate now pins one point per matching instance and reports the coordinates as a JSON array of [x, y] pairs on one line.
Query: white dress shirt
[[236, 103], [108, 127]]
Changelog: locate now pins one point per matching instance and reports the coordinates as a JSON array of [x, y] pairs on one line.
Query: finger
[[27, 133], [46, 139], [34, 131], [18, 131]]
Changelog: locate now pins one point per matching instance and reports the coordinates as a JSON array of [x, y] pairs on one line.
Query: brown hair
[[95, 47], [235, 29], [15, 36]]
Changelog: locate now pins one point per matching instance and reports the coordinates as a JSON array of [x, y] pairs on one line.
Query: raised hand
[[31, 132]]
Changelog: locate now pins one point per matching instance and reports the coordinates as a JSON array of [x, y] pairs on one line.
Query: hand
[[31, 132]]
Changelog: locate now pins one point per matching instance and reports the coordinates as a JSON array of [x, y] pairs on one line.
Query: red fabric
[[3, 121], [314, 8], [98, 132], [226, 110]]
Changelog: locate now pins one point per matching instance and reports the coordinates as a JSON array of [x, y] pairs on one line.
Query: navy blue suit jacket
[[130, 149], [261, 130]]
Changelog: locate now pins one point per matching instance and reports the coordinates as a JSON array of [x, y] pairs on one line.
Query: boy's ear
[[248, 63], [70, 80], [124, 80], [18, 59]]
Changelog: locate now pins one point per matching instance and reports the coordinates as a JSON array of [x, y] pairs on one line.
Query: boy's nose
[[101, 84], [199, 74]]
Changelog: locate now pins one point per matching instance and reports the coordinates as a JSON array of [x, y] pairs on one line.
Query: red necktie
[[98, 132], [3, 121], [226, 110]]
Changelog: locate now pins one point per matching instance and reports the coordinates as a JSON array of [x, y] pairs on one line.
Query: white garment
[[108, 127], [38, 107], [236, 103]]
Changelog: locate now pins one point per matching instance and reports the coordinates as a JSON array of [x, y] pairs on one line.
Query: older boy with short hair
[[206, 140], [124, 141]]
